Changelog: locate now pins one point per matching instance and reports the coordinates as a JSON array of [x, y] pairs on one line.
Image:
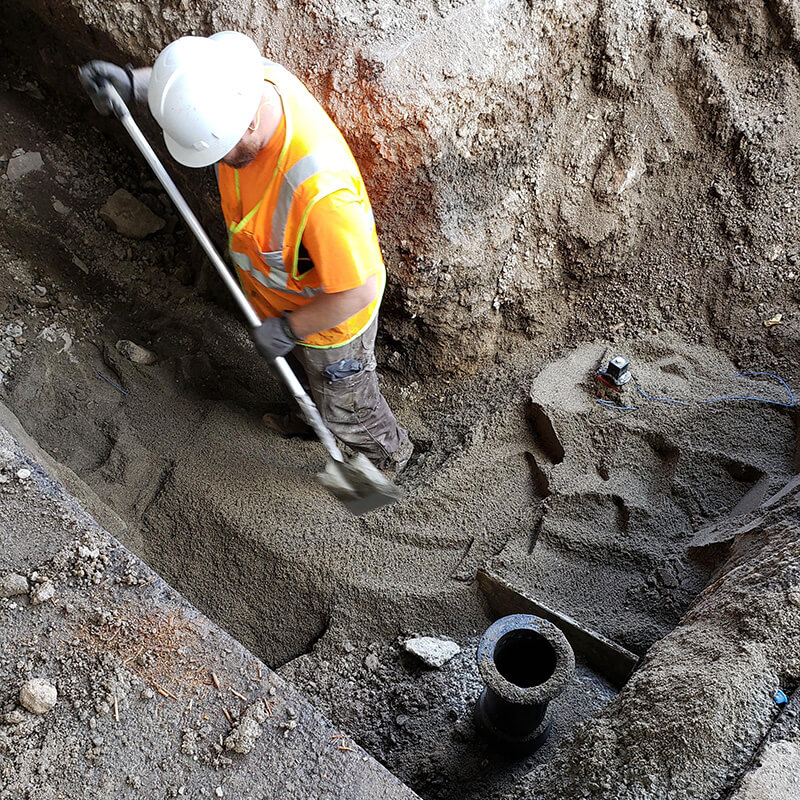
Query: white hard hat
[[204, 93]]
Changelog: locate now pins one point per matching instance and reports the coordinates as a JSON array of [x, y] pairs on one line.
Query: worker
[[301, 232]]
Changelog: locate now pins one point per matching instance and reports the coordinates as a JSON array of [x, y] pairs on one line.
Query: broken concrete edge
[[195, 726], [608, 658], [783, 731], [747, 517]]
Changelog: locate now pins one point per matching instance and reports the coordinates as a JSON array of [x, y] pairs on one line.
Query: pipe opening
[[525, 658]]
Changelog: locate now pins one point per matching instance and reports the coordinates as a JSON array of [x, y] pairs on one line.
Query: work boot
[[402, 456], [288, 425], [412, 455]]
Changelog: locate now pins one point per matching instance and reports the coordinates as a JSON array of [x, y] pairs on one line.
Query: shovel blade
[[359, 484]]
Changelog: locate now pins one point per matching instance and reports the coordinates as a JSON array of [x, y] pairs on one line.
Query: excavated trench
[[604, 515]]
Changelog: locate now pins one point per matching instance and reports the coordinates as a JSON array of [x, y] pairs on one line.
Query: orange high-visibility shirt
[[303, 194]]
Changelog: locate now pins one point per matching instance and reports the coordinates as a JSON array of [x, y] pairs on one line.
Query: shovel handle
[[309, 410]]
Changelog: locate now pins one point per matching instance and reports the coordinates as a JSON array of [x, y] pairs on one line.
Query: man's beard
[[241, 155]]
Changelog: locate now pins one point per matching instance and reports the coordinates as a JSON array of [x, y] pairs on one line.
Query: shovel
[[354, 480]]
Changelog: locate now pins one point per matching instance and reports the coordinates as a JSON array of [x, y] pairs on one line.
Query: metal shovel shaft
[[310, 411]]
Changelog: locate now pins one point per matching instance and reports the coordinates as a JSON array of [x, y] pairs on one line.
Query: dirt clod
[[13, 585], [248, 730], [41, 592]]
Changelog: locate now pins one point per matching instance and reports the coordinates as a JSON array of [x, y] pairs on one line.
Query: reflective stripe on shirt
[[307, 167], [278, 278]]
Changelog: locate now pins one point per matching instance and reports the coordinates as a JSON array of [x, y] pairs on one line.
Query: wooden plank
[[606, 657]]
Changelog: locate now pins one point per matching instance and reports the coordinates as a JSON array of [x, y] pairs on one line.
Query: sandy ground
[[231, 516]]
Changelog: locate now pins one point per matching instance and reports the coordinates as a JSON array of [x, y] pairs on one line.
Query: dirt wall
[[516, 152]]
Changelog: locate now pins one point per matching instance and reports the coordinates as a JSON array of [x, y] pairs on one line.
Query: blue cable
[[661, 399], [785, 385], [109, 381], [790, 404], [609, 404]]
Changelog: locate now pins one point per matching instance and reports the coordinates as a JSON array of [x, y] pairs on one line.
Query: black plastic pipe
[[525, 662]]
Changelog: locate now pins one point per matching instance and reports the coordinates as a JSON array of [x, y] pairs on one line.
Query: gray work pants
[[353, 406]]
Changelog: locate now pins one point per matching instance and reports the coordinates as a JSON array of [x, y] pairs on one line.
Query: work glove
[[274, 337], [131, 85]]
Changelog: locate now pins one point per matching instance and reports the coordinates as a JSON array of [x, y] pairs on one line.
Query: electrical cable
[[609, 404], [785, 385], [790, 404]]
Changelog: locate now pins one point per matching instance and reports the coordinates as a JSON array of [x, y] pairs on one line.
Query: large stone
[[38, 696], [432, 651], [21, 165], [136, 353], [129, 216]]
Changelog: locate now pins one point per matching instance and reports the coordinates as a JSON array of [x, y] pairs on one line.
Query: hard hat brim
[[190, 157]]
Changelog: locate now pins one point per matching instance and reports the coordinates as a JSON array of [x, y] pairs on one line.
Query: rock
[[130, 217], [80, 265], [372, 663], [244, 737], [135, 353], [60, 208], [433, 652], [23, 474], [38, 696], [22, 164], [42, 592], [13, 584]]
